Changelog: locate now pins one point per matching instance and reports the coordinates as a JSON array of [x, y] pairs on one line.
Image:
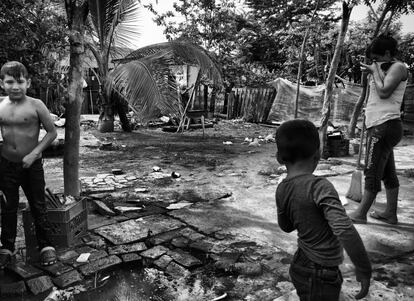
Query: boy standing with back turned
[[21, 160], [311, 205]]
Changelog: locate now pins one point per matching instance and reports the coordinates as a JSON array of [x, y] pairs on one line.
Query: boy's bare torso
[[20, 127]]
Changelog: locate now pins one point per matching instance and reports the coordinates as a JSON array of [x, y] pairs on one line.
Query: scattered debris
[[83, 257], [105, 145], [102, 208], [255, 142], [343, 200], [60, 295], [117, 171], [60, 122], [270, 138], [156, 168], [124, 209], [175, 175], [52, 200], [220, 297], [179, 205], [165, 119]]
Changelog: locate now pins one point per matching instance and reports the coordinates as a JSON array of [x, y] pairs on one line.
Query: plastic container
[[68, 225]]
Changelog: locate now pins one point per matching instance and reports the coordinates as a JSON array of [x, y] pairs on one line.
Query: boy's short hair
[[15, 69], [296, 140], [383, 43]]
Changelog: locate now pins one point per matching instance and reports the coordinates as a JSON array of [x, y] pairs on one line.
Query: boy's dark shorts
[[379, 160], [314, 282]]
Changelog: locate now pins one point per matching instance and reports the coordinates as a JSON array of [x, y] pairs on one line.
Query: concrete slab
[[23, 270], [139, 229], [381, 239], [163, 261], [205, 221], [39, 285], [12, 289], [100, 265], [97, 220], [183, 258], [124, 249], [155, 252], [67, 279], [176, 271], [131, 257], [55, 269]]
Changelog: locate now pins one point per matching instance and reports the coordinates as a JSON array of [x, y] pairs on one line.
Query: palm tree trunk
[[106, 116], [77, 17], [326, 108]]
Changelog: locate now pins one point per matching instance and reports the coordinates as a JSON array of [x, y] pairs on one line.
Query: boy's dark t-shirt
[[311, 205]]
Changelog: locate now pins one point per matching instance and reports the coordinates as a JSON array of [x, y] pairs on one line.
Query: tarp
[[344, 97]]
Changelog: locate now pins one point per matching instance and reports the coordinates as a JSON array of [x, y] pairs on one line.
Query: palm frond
[[127, 28], [119, 52], [184, 52], [115, 21], [147, 85], [98, 15]]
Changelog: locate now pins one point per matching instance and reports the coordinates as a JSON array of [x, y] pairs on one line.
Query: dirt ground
[[248, 173]]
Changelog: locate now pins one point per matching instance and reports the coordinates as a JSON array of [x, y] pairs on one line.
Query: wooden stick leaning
[[355, 189], [182, 119]]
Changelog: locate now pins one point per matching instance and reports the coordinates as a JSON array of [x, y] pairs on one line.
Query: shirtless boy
[[21, 160]]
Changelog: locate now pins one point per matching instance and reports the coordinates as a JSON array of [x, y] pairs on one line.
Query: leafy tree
[[214, 25], [278, 32], [33, 32], [114, 30]]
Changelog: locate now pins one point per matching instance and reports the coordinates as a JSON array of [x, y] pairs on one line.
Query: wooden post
[[91, 99]]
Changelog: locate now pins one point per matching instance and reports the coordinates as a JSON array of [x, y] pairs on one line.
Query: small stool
[[195, 115]]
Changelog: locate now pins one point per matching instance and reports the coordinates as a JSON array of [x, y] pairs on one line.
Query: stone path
[[172, 242]]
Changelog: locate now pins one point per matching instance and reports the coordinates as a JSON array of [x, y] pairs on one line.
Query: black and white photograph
[[211, 150]]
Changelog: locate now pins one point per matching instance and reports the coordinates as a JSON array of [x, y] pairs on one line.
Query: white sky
[[151, 33]]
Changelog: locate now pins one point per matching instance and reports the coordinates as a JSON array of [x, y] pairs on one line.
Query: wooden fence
[[251, 104]]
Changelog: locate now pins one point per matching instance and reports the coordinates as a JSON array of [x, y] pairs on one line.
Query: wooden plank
[[269, 104], [257, 105], [230, 105]]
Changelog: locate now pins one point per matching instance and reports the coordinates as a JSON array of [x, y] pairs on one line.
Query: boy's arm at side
[[48, 125], [344, 229], [47, 122]]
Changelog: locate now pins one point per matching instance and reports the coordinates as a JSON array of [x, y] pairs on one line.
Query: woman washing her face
[[387, 82]]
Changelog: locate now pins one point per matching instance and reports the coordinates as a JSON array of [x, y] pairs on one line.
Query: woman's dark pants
[[380, 164]]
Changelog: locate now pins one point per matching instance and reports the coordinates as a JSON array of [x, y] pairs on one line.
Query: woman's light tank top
[[380, 110]]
